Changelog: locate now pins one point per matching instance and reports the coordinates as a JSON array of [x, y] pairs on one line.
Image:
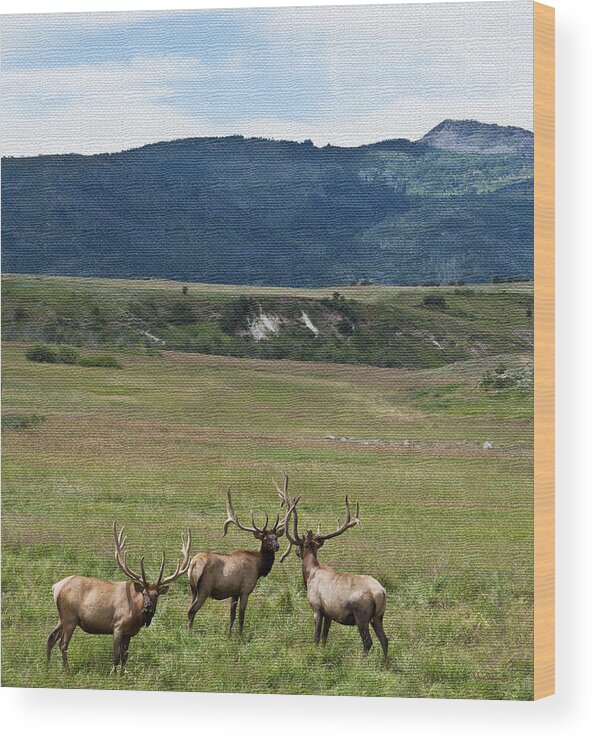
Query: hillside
[[449, 207], [380, 326], [472, 136]]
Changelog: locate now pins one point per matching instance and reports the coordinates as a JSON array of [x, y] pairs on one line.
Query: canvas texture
[[267, 297]]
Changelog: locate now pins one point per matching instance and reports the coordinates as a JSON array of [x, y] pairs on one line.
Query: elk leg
[[377, 624], [232, 614], [326, 625], [124, 653], [67, 632], [365, 635], [52, 639], [318, 624], [201, 597], [118, 643], [243, 604]]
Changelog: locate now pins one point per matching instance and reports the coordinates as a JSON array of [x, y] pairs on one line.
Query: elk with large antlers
[[107, 607], [235, 575], [345, 598]]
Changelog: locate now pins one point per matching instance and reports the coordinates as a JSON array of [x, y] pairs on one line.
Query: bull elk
[[235, 575], [108, 607], [345, 598]]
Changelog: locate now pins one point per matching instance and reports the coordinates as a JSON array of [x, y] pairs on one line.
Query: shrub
[[505, 378], [100, 362], [20, 314], [236, 314], [19, 422], [434, 301], [67, 355], [42, 354], [345, 327], [181, 313]]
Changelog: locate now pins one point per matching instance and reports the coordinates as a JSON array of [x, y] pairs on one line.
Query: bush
[[42, 354], [67, 355], [506, 378], [236, 315], [99, 362], [345, 327], [70, 356], [434, 301], [19, 422], [181, 313]]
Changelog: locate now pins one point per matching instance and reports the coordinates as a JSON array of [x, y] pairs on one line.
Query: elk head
[[267, 536], [311, 541], [150, 590]]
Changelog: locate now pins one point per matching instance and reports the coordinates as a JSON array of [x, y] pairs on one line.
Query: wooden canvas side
[[544, 354]]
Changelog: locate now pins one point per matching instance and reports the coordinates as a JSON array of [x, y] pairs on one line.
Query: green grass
[[382, 326], [447, 525]]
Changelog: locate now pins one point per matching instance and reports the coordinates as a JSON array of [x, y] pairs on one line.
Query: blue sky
[[342, 74]]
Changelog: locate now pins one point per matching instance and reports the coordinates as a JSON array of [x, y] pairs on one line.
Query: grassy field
[[447, 522], [395, 327], [137, 288]]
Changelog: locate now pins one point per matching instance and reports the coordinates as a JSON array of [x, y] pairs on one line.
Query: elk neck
[[310, 564], [266, 560]]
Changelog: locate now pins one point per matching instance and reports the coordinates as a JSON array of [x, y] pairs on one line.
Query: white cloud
[[342, 74], [96, 108], [108, 126]]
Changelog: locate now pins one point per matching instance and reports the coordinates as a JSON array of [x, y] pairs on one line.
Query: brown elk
[[108, 607], [235, 575], [345, 598]]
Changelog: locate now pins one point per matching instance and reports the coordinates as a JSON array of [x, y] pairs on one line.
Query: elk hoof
[[114, 670]]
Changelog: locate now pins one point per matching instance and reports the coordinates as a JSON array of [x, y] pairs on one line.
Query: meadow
[[447, 521]]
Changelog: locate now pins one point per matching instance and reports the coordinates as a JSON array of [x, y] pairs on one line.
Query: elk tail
[[57, 587], [195, 572], [380, 603]]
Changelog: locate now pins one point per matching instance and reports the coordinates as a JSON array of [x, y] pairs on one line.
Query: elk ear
[[138, 588], [163, 590], [258, 536]]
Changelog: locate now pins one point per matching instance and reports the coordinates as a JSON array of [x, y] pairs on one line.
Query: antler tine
[[182, 566], [287, 502], [233, 518], [120, 555], [161, 568], [282, 493], [348, 523], [230, 511], [286, 552], [294, 540], [356, 517], [145, 581]]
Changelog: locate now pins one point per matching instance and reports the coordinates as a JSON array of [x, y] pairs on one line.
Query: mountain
[[477, 138], [258, 211]]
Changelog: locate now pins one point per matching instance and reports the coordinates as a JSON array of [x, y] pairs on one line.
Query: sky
[[345, 75]]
